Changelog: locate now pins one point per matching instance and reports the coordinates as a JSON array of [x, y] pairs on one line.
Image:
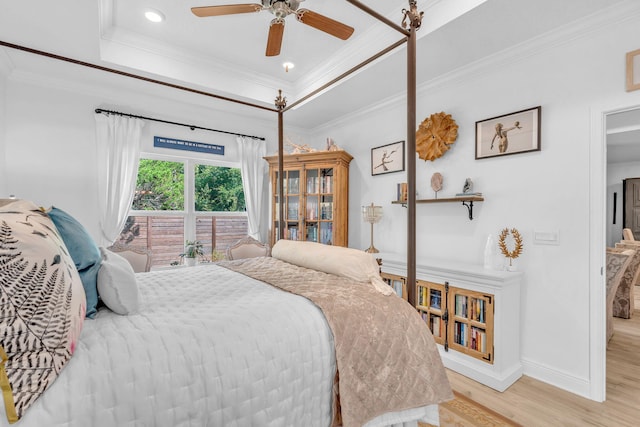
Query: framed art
[[633, 70], [512, 133], [387, 158]]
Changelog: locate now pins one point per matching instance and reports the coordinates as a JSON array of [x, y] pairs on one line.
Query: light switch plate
[[546, 237]]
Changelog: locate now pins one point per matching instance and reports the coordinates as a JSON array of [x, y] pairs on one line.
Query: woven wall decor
[[435, 136]]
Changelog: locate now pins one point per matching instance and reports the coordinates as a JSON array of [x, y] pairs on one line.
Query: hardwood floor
[[534, 403]]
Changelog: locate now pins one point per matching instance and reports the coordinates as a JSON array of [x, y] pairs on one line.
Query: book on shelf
[[403, 192], [435, 299], [436, 328]]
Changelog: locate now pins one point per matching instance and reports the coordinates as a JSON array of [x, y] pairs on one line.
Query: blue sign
[[179, 144]]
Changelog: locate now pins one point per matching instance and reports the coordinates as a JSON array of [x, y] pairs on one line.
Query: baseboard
[[480, 371], [563, 380]]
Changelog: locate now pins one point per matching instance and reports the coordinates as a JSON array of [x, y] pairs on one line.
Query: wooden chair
[[138, 257], [627, 234], [617, 262], [247, 247]]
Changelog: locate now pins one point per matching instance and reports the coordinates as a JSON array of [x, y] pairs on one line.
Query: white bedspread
[[210, 347], [224, 351]]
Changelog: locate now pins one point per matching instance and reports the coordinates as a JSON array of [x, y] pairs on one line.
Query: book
[[468, 194], [403, 192]]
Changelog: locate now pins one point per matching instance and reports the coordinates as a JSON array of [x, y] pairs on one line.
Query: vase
[[190, 262], [490, 253]]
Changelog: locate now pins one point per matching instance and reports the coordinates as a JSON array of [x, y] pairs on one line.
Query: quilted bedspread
[[386, 358], [210, 347]]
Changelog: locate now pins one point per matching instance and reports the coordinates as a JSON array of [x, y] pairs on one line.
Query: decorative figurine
[[468, 186], [436, 182]]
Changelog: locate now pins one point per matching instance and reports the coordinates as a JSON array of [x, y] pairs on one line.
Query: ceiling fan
[[281, 9]]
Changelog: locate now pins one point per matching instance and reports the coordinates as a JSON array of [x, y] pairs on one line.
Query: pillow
[[42, 305], [83, 251], [345, 262], [117, 284]]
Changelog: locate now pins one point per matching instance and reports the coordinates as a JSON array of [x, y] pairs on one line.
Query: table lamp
[[372, 214]]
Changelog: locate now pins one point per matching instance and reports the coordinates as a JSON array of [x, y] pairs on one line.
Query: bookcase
[[398, 283], [431, 303], [473, 314], [459, 319], [316, 197]]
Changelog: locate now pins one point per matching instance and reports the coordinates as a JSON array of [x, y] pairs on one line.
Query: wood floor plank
[[534, 403]]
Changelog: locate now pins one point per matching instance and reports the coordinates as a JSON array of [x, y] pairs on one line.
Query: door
[[631, 206]]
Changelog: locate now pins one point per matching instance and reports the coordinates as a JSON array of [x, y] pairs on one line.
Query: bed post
[[415, 20], [280, 102]]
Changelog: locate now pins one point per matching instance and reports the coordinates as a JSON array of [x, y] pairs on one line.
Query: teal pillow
[[83, 251]]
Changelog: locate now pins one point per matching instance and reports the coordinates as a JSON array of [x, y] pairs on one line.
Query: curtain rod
[[192, 127]]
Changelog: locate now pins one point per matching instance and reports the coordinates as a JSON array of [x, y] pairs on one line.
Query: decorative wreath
[[517, 250]]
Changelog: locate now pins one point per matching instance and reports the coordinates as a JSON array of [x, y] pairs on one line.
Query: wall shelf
[[466, 201]]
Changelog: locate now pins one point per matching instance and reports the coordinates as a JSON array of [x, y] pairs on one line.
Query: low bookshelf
[[398, 283], [473, 314]]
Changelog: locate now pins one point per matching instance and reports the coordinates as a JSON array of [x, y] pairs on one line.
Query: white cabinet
[[504, 288]]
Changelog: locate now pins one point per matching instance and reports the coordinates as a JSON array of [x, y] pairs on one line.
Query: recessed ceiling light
[[288, 65], [154, 15]]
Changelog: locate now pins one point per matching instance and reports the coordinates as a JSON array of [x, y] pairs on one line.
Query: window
[[183, 199]]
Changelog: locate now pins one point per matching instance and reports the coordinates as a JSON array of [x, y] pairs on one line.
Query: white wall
[[3, 163], [616, 173], [538, 191], [50, 133]]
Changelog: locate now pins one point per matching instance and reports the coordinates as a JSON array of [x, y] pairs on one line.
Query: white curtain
[[118, 139], [252, 168]]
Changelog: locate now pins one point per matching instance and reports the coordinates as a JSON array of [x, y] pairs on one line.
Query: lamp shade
[[371, 214]]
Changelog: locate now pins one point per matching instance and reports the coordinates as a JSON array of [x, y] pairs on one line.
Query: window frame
[[188, 213]]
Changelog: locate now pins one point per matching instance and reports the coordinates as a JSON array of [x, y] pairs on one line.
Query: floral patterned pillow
[[42, 305]]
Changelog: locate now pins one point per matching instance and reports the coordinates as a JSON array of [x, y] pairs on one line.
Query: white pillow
[[345, 262], [117, 283]]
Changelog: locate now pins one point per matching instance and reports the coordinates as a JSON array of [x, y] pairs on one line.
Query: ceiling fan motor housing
[[281, 8]]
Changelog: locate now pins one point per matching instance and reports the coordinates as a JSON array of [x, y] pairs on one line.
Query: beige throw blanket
[[387, 359]]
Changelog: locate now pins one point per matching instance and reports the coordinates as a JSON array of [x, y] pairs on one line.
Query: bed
[[257, 342]]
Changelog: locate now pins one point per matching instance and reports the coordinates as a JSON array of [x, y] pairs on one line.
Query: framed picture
[[633, 70], [513, 133], [387, 158]]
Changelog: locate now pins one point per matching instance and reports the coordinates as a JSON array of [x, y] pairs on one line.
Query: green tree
[[218, 189], [160, 185]]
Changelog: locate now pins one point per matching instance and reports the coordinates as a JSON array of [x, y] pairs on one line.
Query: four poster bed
[[310, 336]]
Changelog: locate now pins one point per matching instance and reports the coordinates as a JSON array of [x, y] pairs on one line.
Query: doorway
[[631, 205], [615, 155]]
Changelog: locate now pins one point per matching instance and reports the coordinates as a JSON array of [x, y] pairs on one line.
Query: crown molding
[[594, 23], [133, 51]]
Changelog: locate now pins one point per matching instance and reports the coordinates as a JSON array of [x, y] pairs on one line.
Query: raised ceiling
[[226, 55]]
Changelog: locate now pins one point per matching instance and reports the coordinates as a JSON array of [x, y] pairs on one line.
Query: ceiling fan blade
[[228, 9], [274, 43], [322, 23]]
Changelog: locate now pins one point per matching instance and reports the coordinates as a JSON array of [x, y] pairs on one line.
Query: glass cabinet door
[[312, 205]]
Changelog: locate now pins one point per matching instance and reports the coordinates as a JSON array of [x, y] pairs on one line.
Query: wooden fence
[[164, 236]]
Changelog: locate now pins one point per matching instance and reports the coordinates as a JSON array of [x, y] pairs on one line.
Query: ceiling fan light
[[154, 15], [288, 66]]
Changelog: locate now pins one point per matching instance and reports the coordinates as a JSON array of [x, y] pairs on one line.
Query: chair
[[631, 244], [138, 257], [623, 303], [627, 234], [617, 262], [248, 247]]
